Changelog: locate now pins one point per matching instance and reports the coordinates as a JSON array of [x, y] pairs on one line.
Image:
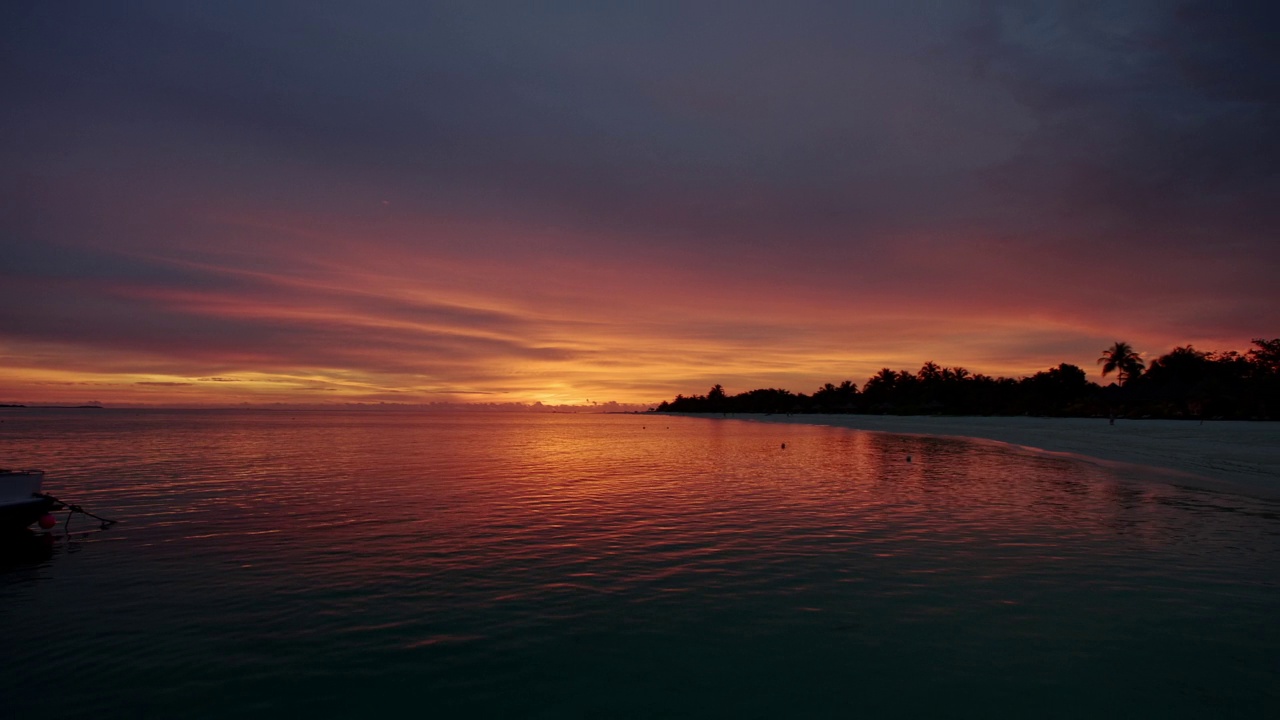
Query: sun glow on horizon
[[392, 323], [424, 334]]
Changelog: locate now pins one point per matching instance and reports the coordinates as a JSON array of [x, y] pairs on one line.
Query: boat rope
[[73, 509]]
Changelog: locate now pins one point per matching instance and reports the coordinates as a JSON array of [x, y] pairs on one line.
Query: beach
[[1231, 456]]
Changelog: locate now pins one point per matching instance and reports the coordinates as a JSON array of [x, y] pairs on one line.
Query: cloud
[[428, 199]]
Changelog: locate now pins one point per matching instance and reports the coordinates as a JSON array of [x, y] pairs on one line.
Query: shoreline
[[1236, 456]]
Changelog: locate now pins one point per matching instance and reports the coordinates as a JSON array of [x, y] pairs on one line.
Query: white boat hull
[[20, 500]]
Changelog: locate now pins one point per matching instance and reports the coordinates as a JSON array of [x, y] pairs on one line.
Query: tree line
[[1183, 383]]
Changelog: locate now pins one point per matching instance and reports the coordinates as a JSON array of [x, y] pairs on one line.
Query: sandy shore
[[1230, 456]]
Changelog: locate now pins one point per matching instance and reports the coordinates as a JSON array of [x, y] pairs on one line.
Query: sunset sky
[[407, 201]]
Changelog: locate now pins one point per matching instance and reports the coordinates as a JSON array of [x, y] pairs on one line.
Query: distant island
[[1183, 383], [51, 407]]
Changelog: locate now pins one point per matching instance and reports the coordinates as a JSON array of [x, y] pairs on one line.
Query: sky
[[583, 202]]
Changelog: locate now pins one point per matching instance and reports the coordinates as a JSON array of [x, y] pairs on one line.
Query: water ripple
[[546, 565]]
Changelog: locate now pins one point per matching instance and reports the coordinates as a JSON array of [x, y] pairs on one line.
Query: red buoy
[[48, 521]]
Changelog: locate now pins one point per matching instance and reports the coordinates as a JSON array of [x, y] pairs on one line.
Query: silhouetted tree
[[716, 399], [1184, 382], [878, 392], [1056, 391], [1265, 356], [1264, 364], [929, 372], [1121, 358], [831, 398]]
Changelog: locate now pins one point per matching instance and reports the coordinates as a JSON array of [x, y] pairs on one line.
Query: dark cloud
[[1156, 118]]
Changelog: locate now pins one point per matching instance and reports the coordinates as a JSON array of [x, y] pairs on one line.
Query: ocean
[[343, 563]]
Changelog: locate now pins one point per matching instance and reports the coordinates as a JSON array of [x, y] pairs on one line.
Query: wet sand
[[1234, 456]]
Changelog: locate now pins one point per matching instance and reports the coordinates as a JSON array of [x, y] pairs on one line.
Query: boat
[[21, 502]]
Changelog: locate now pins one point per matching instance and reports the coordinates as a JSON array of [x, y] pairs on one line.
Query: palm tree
[[1122, 359]]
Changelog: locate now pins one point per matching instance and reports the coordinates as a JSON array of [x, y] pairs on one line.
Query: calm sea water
[[342, 564]]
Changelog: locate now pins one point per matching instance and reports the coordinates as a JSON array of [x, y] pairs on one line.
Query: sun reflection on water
[[464, 554]]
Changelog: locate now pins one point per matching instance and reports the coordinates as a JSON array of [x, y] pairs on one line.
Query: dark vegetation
[[1183, 383]]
